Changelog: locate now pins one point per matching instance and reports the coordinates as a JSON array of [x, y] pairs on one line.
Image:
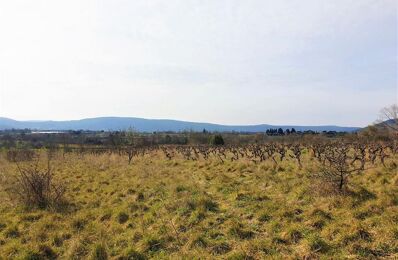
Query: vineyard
[[279, 199]]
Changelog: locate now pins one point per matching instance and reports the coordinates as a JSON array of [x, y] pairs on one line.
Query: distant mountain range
[[152, 125]]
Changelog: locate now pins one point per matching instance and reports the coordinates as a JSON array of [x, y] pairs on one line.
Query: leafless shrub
[[36, 187], [296, 150], [360, 155], [339, 167], [131, 152]]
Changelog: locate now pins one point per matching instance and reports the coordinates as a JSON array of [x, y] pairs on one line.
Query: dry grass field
[[203, 209]]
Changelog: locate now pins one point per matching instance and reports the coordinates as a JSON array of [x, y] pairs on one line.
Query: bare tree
[[389, 117]]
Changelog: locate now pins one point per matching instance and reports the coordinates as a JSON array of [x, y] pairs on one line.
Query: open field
[[199, 130], [191, 208]]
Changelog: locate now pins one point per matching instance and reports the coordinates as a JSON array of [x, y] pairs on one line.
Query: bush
[[35, 187], [217, 140]]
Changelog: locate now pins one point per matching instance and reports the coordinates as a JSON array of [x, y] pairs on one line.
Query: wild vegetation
[[307, 197]]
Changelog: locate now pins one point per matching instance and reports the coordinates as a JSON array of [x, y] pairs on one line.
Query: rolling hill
[[152, 125]]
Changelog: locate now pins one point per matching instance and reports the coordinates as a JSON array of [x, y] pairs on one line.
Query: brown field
[[189, 207]]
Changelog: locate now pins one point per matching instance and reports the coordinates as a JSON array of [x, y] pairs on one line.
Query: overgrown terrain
[[205, 203]]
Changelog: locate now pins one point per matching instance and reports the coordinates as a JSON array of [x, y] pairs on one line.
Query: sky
[[302, 62]]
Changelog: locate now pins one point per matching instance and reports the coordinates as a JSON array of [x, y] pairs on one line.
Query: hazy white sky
[[305, 62]]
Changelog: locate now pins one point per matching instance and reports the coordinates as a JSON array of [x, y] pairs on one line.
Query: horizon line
[[180, 120]]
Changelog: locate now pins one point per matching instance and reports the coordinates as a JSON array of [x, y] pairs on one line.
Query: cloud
[[220, 61]]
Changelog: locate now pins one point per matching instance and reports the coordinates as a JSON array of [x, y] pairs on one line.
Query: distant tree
[[65, 144], [280, 131], [273, 131], [217, 140], [131, 143], [287, 131], [131, 136], [115, 139], [8, 141], [293, 131], [259, 138], [168, 139], [183, 140]]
